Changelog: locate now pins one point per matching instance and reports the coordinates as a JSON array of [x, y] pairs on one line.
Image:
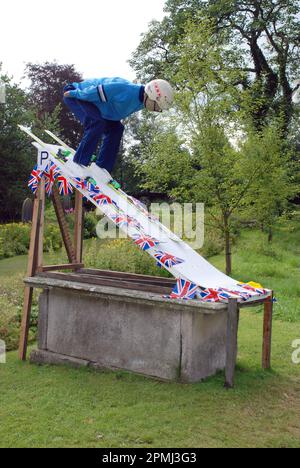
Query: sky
[[96, 36]]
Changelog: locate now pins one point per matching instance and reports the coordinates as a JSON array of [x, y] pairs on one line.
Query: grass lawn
[[62, 407]]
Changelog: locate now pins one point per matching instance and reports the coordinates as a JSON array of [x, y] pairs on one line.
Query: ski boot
[[63, 155], [91, 183], [114, 184]]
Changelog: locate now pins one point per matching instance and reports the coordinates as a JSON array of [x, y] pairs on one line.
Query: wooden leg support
[[78, 228], [267, 333], [64, 228], [231, 342], [33, 260]]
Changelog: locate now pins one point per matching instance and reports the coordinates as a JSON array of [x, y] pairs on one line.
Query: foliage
[[90, 223], [175, 174], [120, 255], [16, 157], [260, 41], [11, 302], [15, 239], [46, 93], [269, 195]]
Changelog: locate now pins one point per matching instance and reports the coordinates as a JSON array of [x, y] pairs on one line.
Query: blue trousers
[[95, 128]]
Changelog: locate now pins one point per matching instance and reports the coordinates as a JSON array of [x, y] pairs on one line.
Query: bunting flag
[[102, 200], [35, 179], [92, 188], [167, 260], [123, 221], [64, 186], [79, 183], [51, 173], [224, 294], [252, 288], [209, 295], [184, 290], [145, 242]]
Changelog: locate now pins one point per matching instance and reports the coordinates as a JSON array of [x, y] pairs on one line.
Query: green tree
[[265, 34], [271, 192], [16, 157], [46, 95]]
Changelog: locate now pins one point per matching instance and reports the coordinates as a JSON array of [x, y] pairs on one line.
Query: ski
[[120, 192]]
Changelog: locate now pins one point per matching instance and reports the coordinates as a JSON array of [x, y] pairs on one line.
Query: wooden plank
[[132, 280], [93, 279], [64, 228], [111, 282], [31, 271], [69, 266], [267, 333], [120, 274], [231, 342], [78, 227]]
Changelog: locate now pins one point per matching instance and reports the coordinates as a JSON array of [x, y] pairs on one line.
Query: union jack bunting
[[35, 179], [79, 183], [252, 289], [222, 295], [145, 242], [209, 295], [51, 173], [123, 220], [64, 186], [93, 189], [184, 290], [167, 260], [102, 200]]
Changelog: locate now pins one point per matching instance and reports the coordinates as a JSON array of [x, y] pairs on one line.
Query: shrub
[[120, 255], [90, 223], [15, 239], [11, 301]]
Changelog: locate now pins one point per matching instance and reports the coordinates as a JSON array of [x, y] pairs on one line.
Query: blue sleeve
[[88, 94], [117, 91]]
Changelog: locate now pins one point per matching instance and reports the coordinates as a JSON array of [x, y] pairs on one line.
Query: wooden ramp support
[[267, 332], [35, 257], [231, 341], [232, 335]]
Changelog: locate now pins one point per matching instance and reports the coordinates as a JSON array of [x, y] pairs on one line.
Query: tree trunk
[[270, 235], [227, 246]]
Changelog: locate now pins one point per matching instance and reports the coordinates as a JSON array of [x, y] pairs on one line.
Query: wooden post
[[40, 248], [267, 333], [231, 342], [31, 270], [78, 227], [64, 228]]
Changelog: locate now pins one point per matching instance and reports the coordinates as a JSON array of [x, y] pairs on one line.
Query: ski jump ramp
[[196, 278]]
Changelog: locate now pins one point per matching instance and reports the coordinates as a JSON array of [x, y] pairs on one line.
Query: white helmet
[[161, 92]]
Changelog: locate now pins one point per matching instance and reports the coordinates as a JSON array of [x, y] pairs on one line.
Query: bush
[[120, 255], [90, 224], [11, 301], [15, 239], [52, 238]]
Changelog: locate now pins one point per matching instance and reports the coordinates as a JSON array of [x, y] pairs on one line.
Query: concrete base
[[103, 327]]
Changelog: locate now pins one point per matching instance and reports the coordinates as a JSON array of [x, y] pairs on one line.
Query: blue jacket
[[116, 98]]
